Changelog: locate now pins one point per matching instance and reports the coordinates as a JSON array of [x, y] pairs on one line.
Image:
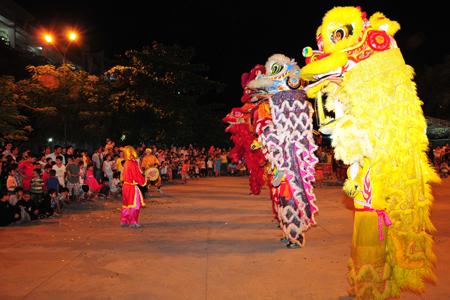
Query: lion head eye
[[275, 69], [341, 33]]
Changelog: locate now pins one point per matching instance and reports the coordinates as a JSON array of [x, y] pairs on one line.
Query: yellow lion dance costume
[[379, 131]]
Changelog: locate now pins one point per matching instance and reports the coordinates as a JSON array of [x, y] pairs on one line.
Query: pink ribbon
[[382, 216]]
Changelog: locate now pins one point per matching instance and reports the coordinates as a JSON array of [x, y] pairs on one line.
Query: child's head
[[59, 159], [47, 168], [90, 167], [4, 197], [52, 173], [52, 193], [81, 164], [48, 160], [116, 175], [36, 172], [69, 158], [11, 171], [26, 195], [64, 191], [18, 191], [105, 180]]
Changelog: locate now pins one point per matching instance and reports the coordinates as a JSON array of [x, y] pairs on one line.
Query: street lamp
[[49, 39]]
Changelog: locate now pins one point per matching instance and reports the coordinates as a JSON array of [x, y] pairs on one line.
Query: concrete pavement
[[207, 239]]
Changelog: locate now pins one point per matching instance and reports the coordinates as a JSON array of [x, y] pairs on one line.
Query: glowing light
[[48, 38], [72, 36]]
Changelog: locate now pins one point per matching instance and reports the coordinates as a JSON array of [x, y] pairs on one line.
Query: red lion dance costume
[[133, 199], [240, 120]]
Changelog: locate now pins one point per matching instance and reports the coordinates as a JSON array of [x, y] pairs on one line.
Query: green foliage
[[11, 121], [153, 96]]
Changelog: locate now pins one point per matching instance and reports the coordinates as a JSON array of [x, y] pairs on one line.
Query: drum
[[152, 174]]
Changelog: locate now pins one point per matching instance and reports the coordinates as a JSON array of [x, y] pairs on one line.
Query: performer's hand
[[352, 188]]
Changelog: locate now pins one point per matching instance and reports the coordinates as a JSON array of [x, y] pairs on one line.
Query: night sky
[[232, 36]]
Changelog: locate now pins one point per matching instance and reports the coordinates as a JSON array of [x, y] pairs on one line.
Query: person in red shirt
[[184, 171], [133, 199], [46, 176], [26, 171]]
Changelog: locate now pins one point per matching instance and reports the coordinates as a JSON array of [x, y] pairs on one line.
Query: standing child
[[217, 161], [60, 170], [46, 176], [52, 182], [210, 166], [91, 181], [26, 169], [11, 182], [73, 178], [184, 172], [203, 166], [107, 167], [37, 185]]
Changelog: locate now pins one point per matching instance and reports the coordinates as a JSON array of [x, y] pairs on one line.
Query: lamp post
[[49, 39]]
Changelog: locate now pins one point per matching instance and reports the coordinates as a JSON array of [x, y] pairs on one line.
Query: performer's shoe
[[136, 226], [124, 224], [292, 245], [284, 240], [161, 192]]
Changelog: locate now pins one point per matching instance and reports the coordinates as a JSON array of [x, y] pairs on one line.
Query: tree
[[55, 98], [155, 98]]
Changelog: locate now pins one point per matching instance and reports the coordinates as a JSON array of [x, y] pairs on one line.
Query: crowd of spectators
[[35, 186]]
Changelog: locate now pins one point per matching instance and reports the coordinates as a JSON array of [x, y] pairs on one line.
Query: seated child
[[63, 197], [29, 205], [8, 213], [18, 195], [115, 188], [103, 188], [45, 206], [443, 170]]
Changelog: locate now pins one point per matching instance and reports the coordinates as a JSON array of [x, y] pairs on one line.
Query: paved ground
[[204, 240]]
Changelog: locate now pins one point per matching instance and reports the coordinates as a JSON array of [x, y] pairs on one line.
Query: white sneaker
[[161, 192]]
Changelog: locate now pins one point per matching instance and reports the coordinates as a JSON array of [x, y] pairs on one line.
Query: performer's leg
[[125, 215], [369, 275], [134, 215]]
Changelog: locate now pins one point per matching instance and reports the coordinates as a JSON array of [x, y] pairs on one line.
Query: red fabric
[[27, 169], [243, 138], [131, 176], [91, 181]]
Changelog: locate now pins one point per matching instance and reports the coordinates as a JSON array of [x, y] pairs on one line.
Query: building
[[17, 30]]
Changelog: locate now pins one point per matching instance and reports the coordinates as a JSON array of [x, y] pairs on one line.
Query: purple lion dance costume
[[288, 144]]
